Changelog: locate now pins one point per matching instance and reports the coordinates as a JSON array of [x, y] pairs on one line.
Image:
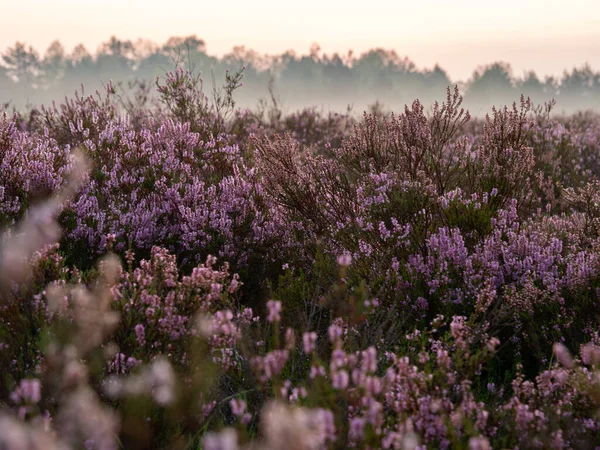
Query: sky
[[547, 36]]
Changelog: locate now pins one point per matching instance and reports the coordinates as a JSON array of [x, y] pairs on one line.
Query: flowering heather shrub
[[77, 119], [422, 147], [31, 169], [184, 97], [160, 307], [170, 188], [502, 160], [225, 279], [393, 180]]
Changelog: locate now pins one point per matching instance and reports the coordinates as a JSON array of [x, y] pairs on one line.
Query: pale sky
[[544, 35]]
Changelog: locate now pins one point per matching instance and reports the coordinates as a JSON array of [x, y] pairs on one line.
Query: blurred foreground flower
[[39, 227]]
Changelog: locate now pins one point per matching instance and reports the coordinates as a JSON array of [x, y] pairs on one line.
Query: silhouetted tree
[[491, 85], [22, 63]]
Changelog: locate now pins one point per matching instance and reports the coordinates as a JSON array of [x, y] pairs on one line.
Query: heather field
[[180, 273]]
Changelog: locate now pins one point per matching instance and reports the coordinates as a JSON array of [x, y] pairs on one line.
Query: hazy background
[[462, 37]]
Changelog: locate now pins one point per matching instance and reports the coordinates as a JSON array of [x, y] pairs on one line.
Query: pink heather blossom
[[274, 307], [317, 371], [344, 260], [340, 379], [370, 360], [334, 332], [492, 344], [309, 341], [140, 334], [290, 339], [238, 407], [357, 428], [225, 440], [29, 390], [479, 443], [563, 355], [590, 354]]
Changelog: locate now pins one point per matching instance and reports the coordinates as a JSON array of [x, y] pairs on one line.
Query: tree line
[[333, 81]]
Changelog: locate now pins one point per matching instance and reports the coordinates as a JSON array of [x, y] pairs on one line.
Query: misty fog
[[331, 82]]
